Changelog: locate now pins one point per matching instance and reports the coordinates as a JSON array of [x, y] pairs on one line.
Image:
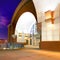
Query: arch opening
[[26, 28], [25, 22]]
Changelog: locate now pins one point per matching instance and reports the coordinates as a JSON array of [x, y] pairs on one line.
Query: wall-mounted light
[[49, 16]]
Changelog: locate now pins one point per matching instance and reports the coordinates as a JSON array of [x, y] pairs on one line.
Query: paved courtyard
[[29, 54]]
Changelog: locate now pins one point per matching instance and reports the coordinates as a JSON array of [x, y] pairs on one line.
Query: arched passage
[[24, 6], [25, 22], [25, 28]]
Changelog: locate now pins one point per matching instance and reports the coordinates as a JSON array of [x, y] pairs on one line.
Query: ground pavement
[[29, 54]]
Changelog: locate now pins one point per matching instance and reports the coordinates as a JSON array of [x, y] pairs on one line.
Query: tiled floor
[[29, 54]]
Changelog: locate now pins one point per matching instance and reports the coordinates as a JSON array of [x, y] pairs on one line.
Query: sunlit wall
[[51, 32], [43, 6]]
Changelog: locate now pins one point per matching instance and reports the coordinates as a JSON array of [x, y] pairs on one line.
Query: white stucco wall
[[43, 6]]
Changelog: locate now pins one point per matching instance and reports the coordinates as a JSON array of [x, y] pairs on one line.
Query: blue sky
[[7, 8]]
